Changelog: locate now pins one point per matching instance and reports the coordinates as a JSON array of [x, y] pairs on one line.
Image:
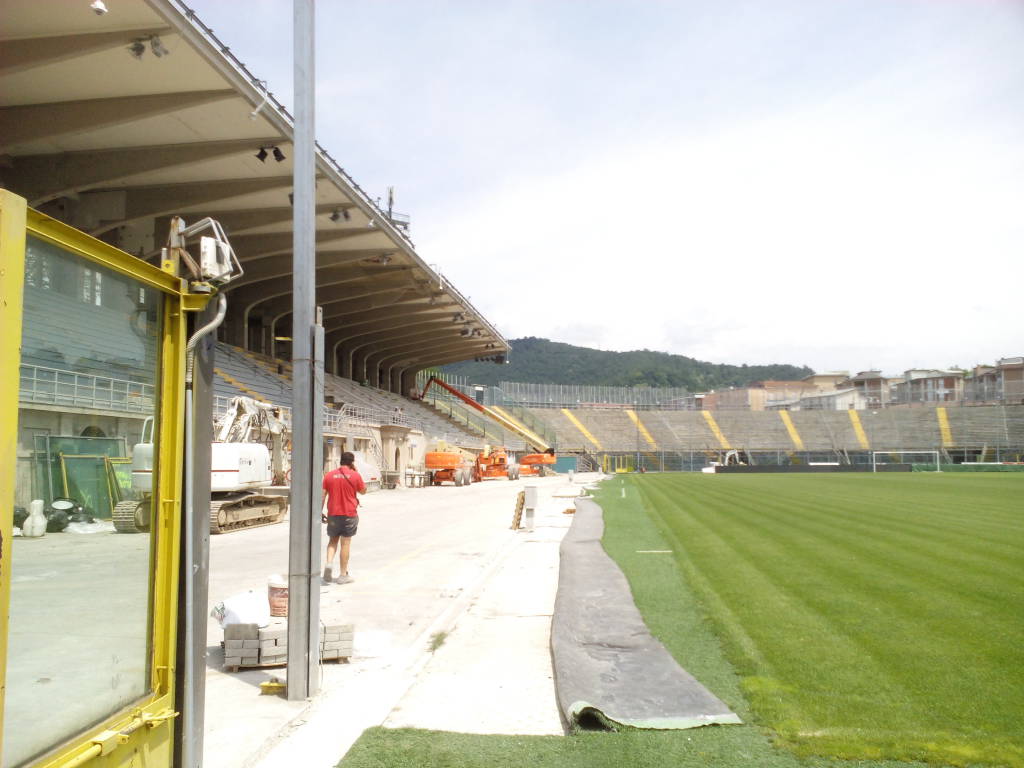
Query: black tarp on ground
[[607, 665]]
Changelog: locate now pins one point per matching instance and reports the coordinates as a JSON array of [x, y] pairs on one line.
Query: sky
[[834, 184]]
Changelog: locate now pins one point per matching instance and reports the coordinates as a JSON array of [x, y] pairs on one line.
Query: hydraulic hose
[[190, 347]]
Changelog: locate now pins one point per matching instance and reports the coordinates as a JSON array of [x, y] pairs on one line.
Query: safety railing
[[334, 420], [54, 386]]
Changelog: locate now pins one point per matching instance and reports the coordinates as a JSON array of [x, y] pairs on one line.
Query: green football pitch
[[852, 621], [870, 617]]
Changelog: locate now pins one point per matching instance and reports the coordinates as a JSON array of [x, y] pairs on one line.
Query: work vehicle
[[494, 462], [505, 421], [532, 464], [242, 471], [448, 467]]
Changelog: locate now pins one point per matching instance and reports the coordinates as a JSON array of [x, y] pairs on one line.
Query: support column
[[307, 407]]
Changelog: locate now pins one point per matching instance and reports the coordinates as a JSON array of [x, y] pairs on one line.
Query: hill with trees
[[543, 361]]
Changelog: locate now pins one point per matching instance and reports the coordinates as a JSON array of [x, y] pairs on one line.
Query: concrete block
[[334, 645], [242, 632], [273, 634], [249, 653], [331, 636], [273, 658], [232, 661], [230, 645], [251, 644], [330, 654], [341, 628], [270, 645]]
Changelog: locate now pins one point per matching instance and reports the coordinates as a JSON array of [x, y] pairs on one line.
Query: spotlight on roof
[[262, 155], [278, 154], [458, 317], [465, 332], [137, 48], [157, 47], [384, 258], [335, 216], [98, 7]]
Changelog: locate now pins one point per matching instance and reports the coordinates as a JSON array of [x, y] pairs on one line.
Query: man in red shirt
[[342, 516]]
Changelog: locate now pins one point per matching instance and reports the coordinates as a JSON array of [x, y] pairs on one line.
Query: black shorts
[[342, 525]]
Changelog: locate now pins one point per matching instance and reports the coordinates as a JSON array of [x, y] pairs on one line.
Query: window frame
[[149, 720]]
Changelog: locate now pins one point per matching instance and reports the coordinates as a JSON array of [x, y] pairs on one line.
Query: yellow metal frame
[[141, 734], [12, 283]]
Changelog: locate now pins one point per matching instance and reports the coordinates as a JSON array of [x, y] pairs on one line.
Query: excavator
[[246, 476]]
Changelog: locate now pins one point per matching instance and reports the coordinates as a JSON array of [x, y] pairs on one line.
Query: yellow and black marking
[[517, 516]]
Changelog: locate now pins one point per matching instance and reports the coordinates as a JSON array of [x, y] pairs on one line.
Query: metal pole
[[303, 599]]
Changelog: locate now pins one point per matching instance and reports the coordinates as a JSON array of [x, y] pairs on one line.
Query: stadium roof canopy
[[114, 122]]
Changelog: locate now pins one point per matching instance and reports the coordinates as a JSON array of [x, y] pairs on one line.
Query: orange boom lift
[[533, 464], [449, 467]]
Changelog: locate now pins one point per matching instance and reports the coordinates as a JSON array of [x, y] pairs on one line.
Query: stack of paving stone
[[249, 645]]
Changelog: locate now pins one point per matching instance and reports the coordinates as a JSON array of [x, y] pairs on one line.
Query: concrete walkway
[[425, 561]]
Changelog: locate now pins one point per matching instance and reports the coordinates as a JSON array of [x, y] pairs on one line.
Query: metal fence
[[588, 396], [52, 386], [335, 421]]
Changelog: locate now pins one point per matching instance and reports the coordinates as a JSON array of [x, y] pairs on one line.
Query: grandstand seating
[[240, 372], [970, 427]]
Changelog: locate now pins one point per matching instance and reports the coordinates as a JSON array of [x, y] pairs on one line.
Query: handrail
[[526, 434], [83, 390]]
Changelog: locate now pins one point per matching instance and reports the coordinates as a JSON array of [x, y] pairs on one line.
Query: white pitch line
[[623, 493], [654, 551]]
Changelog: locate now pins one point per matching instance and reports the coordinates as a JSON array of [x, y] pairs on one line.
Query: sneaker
[[327, 576], [344, 579]]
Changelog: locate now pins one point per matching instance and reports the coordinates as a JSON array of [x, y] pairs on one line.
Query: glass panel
[[79, 642]]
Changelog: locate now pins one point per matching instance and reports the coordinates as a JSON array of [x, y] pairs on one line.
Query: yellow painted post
[[787, 420], [583, 430], [944, 430], [12, 280], [713, 426], [858, 430], [641, 428]]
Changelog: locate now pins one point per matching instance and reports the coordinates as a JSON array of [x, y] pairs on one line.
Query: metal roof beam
[[373, 296], [250, 247], [165, 199], [42, 178], [400, 318], [238, 223], [28, 53], [250, 296], [33, 122], [273, 269]]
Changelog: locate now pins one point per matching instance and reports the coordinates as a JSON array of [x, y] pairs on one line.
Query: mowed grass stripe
[[843, 624], [758, 590], [888, 583], [853, 541], [953, 555]]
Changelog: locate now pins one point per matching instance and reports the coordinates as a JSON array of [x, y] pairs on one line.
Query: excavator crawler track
[[224, 513], [131, 516]]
